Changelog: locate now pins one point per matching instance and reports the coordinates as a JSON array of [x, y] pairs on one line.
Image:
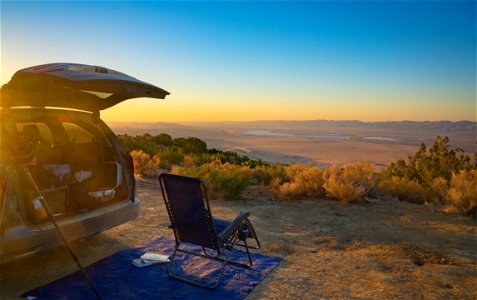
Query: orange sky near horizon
[[367, 106], [174, 109]]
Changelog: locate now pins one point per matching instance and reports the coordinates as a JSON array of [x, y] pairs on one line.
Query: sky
[[239, 61]]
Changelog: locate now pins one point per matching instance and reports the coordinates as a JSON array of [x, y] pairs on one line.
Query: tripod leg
[[60, 233]]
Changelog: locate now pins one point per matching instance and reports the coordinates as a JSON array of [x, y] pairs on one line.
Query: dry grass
[[144, 165], [440, 187], [349, 183], [404, 189], [305, 181], [463, 191], [298, 181], [225, 181], [140, 160], [152, 167]]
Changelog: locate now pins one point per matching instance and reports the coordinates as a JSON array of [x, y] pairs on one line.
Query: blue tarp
[[116, 278]]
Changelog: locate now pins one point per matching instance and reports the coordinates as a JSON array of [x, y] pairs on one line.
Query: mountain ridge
[[445, 126]]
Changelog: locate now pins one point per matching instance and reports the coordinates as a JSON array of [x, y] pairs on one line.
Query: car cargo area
[[71, 158]]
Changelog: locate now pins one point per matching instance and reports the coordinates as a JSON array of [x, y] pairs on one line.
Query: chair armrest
[[233, 226]]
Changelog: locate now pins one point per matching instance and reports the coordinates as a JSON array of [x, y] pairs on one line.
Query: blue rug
[[116, 278]]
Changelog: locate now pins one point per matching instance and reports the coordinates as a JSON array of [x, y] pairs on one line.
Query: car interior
[[71, 161]]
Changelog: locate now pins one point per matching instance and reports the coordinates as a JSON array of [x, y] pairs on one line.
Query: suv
[[53, 141]]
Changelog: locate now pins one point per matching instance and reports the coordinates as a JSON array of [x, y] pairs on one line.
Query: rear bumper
[[24, 241]]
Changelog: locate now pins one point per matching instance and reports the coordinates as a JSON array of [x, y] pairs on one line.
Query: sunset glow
[[370, 61]]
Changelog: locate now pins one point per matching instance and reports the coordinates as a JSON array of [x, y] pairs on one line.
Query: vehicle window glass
[[45, 131], [77, 134]]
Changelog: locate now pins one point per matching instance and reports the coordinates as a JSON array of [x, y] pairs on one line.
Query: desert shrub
[[191, 145], [462, 192], [228, 157], [225, 181], [439, 190], [252, 163], [190, 161], [143, 142], [431, 163], [150, 144], [432, 168], [303, 181], [140, 160], [163, 139], [152, 167], [266, 174], [172, 151], [230, 180], [349, 183], [170, 156], [404, 189]]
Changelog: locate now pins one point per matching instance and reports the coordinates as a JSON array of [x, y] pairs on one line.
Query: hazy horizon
[[321, 141], [289, 120]]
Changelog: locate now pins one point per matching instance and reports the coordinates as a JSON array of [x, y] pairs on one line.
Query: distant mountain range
[[323, 141], [400, 124], [425, 125], [438, 127], [445, 126]]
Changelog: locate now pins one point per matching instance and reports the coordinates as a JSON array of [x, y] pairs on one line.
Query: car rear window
[[45, 131], [77, 134]]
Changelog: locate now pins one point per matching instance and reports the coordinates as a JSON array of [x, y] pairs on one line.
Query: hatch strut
[[60, 233]]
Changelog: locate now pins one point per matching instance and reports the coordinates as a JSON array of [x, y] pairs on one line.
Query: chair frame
[[235, 234]]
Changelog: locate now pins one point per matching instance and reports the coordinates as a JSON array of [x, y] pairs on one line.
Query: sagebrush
[[349, 183], [438, 174]]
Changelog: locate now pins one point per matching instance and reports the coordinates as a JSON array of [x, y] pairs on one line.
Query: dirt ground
[[372, 250]]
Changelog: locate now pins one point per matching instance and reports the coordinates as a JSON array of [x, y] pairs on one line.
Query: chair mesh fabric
[[220, 225], [189, 214]]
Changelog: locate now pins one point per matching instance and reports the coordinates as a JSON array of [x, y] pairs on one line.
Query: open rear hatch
[[74, 86], [73, 158]]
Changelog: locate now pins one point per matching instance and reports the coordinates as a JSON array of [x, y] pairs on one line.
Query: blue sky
[[376, 60]]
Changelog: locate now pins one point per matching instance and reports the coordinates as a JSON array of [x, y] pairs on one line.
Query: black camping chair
[[191, 219]]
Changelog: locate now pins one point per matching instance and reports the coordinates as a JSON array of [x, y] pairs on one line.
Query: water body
[[378, 138], [333, 136], [265, 133]]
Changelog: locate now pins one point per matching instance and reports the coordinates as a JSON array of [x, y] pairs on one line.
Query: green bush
[[267, 174], [170, 156], [163, 139], [431, 163], [225, 181], [432, 168], [439, 174], [228, 157], [191, 145], [144, 143]]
